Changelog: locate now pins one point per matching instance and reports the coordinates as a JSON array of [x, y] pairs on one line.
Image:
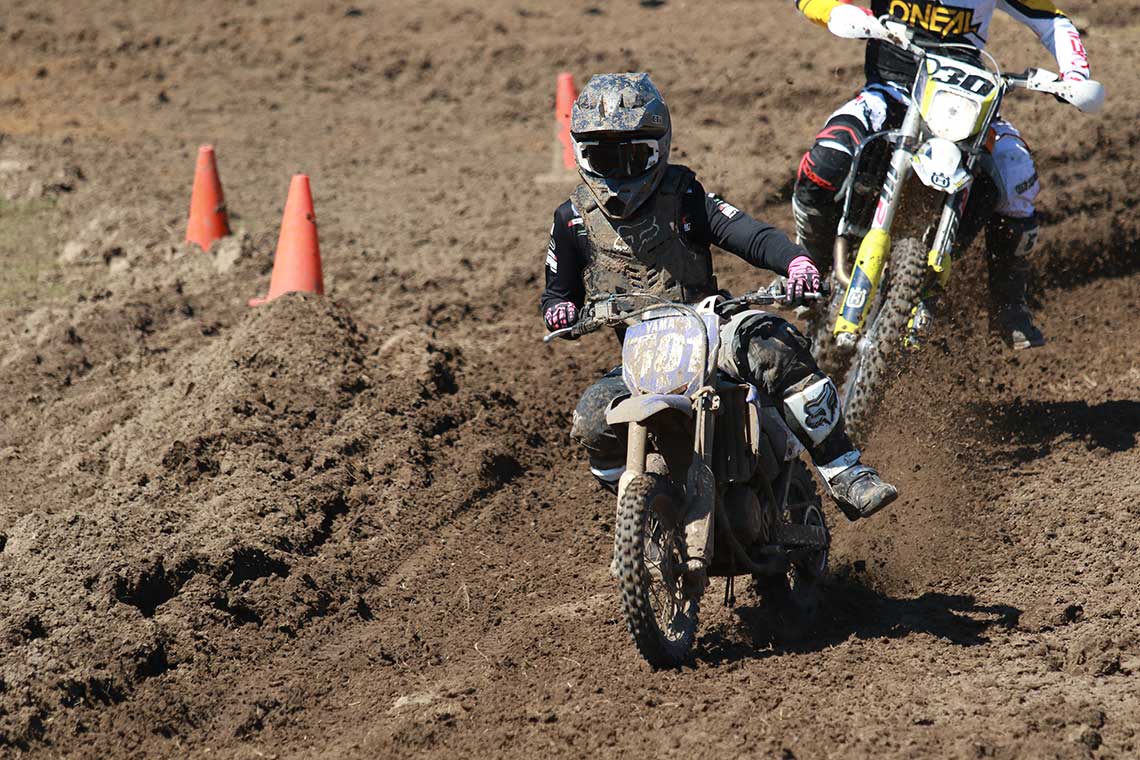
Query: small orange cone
[[297, 263], [564, 99], [208, 218]]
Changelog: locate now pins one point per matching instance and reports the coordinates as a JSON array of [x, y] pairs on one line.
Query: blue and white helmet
[[621, 132]]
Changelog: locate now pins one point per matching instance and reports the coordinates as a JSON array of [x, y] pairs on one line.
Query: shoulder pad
[[583, 200], [677, 179]]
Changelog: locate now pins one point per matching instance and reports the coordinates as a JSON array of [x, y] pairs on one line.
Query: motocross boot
[[1008, 242], [860, 492], [607, 473], [811, 408]]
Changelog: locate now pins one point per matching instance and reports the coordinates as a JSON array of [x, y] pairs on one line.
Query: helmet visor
[[617, 160]]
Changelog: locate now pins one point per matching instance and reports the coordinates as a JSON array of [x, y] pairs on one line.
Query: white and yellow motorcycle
[[886, 299]]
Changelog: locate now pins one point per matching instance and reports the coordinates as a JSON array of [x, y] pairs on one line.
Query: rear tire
[[805, 507], [882, 338], [660, 607], [797, 589]]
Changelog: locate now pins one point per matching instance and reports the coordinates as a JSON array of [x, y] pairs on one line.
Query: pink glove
[[803, 277], [562, 314]]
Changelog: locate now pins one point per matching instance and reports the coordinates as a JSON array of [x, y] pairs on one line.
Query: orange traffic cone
[[562, 159], [297, 263], [208, 218], [564, 99]]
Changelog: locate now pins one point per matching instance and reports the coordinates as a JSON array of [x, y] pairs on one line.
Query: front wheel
[[832, 358], [660, 606], [882, 337]]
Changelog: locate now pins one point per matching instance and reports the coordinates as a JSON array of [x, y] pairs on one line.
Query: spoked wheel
[[660, 607], [882, 336]]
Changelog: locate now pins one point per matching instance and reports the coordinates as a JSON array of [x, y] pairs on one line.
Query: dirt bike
[[713, 485], [888, 297]]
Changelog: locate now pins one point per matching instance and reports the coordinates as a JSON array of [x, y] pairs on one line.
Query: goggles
[[617, 160]]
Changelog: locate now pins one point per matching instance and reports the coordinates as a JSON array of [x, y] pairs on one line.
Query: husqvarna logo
[[943, 20]]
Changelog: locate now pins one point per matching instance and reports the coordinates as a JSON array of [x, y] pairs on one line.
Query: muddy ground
[[352, 526]]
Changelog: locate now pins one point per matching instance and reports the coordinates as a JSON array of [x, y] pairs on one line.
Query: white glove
[[852, 22]]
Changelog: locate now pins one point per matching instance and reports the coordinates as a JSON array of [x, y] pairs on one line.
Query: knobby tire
[[660, 648], [870, 370]]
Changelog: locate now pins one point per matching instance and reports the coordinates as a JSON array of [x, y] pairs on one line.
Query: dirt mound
[[213, 486], [354, 526]]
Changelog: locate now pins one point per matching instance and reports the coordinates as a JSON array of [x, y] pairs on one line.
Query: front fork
[[867, 274], [700, 486], [700, 483]]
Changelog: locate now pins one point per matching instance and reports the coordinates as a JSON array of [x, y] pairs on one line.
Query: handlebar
[[1087, 95], [777, 298], [610, 311], [850, 22]]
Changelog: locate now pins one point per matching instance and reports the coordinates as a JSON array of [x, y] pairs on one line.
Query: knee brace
[[826, 165], [766, 351], [813, 411], [590, 428], [1010, 239]]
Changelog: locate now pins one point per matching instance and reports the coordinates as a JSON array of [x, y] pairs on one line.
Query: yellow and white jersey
[[964, 21]]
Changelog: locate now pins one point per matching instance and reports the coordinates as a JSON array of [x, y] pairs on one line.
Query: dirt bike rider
[[638, 222], [1012, 230]]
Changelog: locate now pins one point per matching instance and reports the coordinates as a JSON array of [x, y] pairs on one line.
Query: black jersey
[[707, 219]]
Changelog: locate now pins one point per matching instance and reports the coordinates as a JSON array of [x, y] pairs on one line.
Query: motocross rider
[[639, 223], [1012, 230]]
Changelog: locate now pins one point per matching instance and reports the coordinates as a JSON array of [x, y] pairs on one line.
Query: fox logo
[[822, 409], [639, 234]]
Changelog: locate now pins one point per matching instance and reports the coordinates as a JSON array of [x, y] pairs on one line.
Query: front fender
[[641, 408]]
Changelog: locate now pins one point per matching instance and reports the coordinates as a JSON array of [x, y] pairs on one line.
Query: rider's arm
[[818, 11], [1056, 32], [564, 260], [715, 221]]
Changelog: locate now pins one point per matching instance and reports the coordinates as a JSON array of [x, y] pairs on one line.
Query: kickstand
[[730, 592]]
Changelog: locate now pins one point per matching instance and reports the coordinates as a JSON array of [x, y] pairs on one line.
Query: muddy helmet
[[621, 133]]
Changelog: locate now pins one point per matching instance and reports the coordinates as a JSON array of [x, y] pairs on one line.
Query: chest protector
[[646, 252]]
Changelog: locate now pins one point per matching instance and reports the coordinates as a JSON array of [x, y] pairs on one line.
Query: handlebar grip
[[582, 327]]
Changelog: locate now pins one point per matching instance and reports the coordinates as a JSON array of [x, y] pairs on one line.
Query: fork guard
[[641, 408], [865, 280]]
